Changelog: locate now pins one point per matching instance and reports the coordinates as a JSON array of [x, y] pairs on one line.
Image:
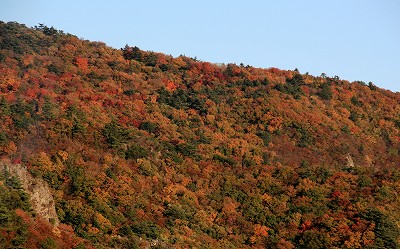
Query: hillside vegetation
[[142, 149]]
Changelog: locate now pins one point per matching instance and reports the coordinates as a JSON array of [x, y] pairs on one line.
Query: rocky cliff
[[40, 195]]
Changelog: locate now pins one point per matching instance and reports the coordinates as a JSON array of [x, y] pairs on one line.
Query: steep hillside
[[141, 149]]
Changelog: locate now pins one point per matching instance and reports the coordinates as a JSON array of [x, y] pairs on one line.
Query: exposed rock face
[[350, 162], [40, 195]]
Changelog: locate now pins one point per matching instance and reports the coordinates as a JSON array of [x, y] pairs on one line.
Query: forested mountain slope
[[141, 149]]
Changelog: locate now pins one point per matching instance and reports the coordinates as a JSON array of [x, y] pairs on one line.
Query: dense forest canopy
[[142, 149]]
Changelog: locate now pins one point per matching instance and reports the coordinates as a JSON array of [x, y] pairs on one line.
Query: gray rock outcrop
[[39, 192]]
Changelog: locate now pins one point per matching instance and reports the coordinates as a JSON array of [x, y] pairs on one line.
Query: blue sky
[[353, 39]]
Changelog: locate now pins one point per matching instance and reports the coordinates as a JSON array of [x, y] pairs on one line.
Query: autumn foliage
[[144, 149]]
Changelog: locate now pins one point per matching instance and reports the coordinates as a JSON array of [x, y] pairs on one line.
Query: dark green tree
[[387, 233], [292, 86], [326, 92], [114, 134], [136, 151], [132, 53]]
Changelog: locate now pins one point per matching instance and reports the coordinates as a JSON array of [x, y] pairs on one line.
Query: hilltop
[[142, 149]]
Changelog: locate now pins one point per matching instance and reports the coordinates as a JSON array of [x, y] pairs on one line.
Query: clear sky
[[353, 39]]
